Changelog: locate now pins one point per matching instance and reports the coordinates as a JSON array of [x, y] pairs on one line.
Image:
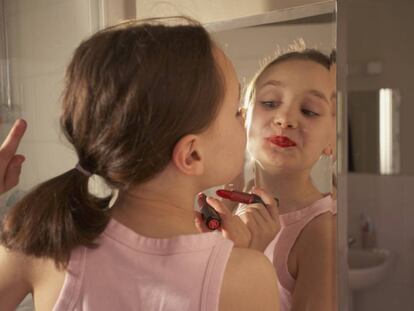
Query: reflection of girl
[[291, 124], [146, 107]]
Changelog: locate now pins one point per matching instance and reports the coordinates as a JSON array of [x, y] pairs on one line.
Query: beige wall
[[386, 39], [382, 31], [207, 11]]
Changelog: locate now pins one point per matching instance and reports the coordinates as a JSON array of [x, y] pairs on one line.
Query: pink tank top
[[132, 272], [278, 250]]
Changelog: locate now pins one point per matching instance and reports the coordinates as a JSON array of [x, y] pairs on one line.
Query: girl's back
[[132, 272], [146, 107]]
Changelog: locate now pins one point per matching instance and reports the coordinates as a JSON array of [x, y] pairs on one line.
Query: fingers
[[12, 174], [11, 143], [263, 230], [199, 223], [271, 203], [219, 207], [252, 218], [258, 210], [232, 227]]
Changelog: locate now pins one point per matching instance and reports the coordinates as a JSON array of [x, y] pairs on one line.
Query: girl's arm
[[316, 279], [249, 283], [14, 284]]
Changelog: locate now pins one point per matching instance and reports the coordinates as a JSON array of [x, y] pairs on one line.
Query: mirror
[[374, 131], [251, 43], [38, 56]]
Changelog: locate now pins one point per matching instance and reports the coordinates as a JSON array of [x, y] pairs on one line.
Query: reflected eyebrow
[[318, 94], [272, 82]]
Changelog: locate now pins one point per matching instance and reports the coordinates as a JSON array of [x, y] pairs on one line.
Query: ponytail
[[54, 218]]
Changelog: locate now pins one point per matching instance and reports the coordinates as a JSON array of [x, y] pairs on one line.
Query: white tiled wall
[[389, 201], [42, 35]]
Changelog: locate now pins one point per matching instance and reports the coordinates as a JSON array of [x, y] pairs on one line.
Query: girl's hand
[[10, 162], [262, 221], [231, 227]]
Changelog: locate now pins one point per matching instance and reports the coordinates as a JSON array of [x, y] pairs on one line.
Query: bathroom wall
[[388, 200], [42, 36], [213, 10], [382, 31]]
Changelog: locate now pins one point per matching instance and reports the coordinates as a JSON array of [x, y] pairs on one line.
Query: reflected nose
[[285, 120]]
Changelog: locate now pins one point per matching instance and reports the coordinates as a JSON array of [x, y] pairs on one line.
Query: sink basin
[[367, 267]]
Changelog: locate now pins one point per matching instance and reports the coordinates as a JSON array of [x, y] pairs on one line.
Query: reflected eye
[[270, 104], [309, 113]]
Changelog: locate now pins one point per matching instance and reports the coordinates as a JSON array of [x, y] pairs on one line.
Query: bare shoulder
[[316, 280], [249, 282], [321, 229], [22, 274], [316, 245], [15, 278]]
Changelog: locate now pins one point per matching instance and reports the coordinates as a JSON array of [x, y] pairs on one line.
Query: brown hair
[[132, 91], [307, 54]]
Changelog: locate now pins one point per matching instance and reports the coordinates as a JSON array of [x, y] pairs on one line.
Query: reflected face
[[292, 117], [227, 135]]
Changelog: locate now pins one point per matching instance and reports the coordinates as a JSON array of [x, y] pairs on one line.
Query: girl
[[151, 109], [291, 123]]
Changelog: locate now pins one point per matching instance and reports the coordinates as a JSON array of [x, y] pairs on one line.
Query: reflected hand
[[10, 162], [232, 227], [262, 221]]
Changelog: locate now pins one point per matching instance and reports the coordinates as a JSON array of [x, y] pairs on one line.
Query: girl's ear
[[187, 156]]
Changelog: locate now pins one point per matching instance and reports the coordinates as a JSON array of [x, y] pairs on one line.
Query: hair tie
[[82, 170]]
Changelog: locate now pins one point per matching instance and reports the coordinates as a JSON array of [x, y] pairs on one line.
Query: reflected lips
[[281, 141]]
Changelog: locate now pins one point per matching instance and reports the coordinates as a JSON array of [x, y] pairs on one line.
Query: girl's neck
[[294, 190], [156, 214]]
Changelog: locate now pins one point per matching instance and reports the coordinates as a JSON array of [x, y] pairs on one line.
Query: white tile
[[408, 251], [59, 30], [30, 172], [408, 202], [391, 220], [48, 106], [54, 159], [28, 105]]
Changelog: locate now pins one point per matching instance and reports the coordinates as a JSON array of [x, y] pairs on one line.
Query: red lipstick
[[208, 213], [241, 197], [281, 141]]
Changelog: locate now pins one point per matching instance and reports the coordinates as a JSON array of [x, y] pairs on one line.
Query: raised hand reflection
[[291, 124]]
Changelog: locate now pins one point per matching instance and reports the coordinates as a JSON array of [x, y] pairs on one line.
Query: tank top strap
[[73, 280], [292, 224], [214, 275]]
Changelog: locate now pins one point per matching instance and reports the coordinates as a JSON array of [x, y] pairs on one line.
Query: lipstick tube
[[210, 217], [241, 197]]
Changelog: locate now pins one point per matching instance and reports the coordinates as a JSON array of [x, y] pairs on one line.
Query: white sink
[[367, 267]]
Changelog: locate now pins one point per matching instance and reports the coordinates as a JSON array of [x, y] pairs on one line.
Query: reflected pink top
[[278, 250], [132, 272]]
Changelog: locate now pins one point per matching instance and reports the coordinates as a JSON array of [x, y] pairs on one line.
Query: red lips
[[281, 141]]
